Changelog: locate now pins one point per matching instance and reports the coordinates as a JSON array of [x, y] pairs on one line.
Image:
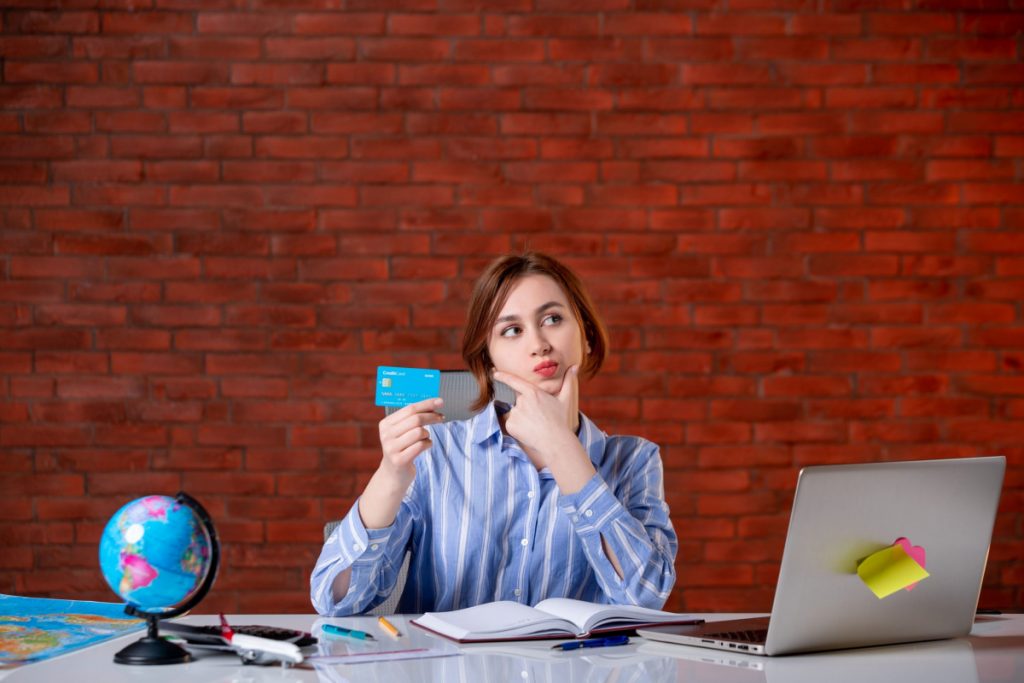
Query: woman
[[516, 503]]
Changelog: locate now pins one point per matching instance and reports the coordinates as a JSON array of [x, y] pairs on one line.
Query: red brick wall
[[803, 220]]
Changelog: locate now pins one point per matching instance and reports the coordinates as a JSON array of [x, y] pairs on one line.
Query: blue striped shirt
[[483, 524]]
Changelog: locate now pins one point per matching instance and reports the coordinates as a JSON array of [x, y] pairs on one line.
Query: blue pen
[[347, 632], [592, 642]]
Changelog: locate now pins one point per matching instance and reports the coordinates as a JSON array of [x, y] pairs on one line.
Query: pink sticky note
[[916, 552]]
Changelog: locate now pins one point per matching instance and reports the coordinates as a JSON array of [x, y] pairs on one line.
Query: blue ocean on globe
[[155, 553]]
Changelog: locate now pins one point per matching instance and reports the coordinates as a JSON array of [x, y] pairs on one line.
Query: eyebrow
[[540, 309]]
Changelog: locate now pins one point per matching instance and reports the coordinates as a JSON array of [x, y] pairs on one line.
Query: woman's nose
[[540, 343]]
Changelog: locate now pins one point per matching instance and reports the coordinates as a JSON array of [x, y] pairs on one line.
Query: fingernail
[[438, 401]]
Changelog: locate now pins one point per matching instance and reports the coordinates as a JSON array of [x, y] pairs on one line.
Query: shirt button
[[530, 494], [575, 518], [589, 513], [524, 542], [517, 592], [356, 547], [374, 546]]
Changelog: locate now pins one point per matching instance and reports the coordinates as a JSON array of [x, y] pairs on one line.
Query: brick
[[80, 314], [800, 432], [797, 124], [993, 24], [952, 360], [44, 436], [718, 432], [977, 313], [991, 385], [735, 504], [807, 385], [45, 72], [953, 217], [86, 363], [688, 171], [179, 72], [876, 266], [340, 98], [544, 124], [916, 73], [221, 340], [611, 49]]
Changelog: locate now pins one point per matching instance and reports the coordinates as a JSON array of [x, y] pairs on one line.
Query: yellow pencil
[[389, 627]]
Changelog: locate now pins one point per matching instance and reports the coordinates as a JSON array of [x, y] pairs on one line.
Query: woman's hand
[[541, 421], [404, 435]]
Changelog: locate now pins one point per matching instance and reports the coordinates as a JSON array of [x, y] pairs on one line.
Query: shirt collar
[[486, 425]]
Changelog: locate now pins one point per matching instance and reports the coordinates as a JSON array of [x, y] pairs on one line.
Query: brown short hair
[[489, 295]]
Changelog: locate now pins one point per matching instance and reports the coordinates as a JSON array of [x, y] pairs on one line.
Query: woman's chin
[[551, 385]]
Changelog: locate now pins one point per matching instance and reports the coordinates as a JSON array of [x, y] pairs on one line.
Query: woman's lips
[[546, 369]]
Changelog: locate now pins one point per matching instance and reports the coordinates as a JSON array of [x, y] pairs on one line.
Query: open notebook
[[551, 618]]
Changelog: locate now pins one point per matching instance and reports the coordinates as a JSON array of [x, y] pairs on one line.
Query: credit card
[[402, 386]]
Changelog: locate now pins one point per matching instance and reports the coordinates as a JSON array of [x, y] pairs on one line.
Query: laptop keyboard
[[749, 636]]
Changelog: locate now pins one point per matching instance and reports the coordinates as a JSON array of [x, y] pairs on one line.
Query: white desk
[[993, 654]]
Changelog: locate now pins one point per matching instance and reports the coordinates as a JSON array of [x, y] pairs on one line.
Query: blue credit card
[[402, 386]]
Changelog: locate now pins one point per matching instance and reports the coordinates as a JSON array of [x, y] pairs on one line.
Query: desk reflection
[[489, 662], [941, 661]]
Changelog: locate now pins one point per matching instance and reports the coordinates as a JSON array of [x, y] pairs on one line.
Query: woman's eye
[[510, 331], [552, 319]]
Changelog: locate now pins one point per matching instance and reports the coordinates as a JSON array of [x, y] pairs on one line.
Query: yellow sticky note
[[889, 570]]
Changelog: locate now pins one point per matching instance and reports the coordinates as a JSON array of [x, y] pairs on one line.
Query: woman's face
[[536, 335]]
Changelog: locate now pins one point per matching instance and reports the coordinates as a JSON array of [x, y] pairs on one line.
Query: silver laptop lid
[[843, 513]]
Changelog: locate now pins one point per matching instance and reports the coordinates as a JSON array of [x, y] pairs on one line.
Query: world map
[[34, 629]]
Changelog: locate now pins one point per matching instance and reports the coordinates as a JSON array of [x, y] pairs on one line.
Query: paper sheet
[[381, 656]]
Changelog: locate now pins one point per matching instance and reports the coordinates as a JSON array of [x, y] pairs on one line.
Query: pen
[[347, 632], [389, 627], [592, 642]]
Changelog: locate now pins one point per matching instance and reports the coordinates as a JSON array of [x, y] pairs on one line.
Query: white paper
[[381, 656]]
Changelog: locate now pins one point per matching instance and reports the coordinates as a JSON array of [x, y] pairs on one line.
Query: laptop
[[843, 514]]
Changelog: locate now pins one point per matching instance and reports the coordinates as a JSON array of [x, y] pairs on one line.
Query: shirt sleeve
[[635, 524], [374, 555]]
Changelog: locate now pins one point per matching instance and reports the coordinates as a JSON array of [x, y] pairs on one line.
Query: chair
[[458, 389]]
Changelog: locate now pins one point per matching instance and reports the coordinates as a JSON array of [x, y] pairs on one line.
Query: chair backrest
[[458, 389]]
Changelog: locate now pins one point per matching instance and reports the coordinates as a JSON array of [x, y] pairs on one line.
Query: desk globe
[[160, 554]]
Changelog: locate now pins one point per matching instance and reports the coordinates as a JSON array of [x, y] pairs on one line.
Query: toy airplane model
[[256, 650], [250, 648]]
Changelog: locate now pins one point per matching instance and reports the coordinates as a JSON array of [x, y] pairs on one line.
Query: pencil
[[389, 627]]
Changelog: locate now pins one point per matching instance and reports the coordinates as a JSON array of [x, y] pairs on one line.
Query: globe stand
[[153, 649]]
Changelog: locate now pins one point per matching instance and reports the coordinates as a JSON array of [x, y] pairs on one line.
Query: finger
[[411, 422], [570, 385], [389, 423], [517, 384], [403, 441], [410, 453], [426, 404]]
